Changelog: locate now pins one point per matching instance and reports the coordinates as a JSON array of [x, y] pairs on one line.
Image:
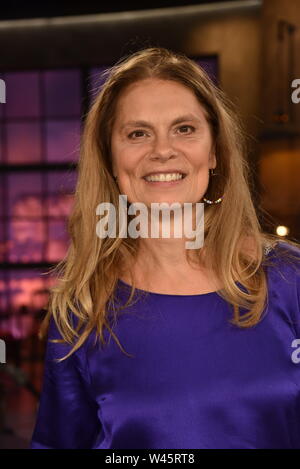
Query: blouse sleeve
[[67, 414]]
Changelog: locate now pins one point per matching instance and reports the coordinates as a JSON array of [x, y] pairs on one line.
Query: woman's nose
[[162, 148]]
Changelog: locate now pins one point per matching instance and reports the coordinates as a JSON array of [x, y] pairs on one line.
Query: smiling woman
[[198, 374]]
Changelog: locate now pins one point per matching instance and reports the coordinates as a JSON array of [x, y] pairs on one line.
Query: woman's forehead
[[149, 97], [156, 86]]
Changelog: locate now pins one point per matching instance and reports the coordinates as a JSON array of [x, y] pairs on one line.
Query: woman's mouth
[[164, 179]]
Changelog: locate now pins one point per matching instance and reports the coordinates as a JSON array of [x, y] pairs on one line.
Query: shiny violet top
[[194, 381]]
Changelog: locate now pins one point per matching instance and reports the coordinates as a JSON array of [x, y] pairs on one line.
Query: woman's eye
[[186, 127], [136, 132]]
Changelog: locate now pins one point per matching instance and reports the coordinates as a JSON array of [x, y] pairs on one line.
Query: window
[[40, 126]]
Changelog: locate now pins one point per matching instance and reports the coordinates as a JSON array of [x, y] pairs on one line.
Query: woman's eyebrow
[[178, 120]]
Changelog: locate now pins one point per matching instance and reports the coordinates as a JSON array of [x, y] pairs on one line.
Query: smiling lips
[[164, 177]]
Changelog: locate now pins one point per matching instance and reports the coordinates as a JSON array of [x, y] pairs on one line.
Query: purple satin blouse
[[193, 381]]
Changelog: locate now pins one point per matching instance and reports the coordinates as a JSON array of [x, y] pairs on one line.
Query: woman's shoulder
[[286, 253], [279, 251], [283, 273], [288, 245], [282, 262]]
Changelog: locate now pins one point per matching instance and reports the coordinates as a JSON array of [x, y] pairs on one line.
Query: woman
[[205, 340]]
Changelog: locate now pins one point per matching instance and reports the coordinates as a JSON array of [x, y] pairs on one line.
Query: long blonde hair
[[88, 275]]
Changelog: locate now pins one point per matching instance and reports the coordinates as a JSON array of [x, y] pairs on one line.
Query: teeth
[[164, 177]]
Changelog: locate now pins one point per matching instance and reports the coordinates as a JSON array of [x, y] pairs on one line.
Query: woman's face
[[160, 127]]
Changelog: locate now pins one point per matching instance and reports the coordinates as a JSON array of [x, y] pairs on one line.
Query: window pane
[[62, 93], [22, 91], [1, 141], [58, 241], [2, 240], [25, 291], [2, 193], [27, 238], [63, 140], [210, 65], [23, 142], [3, 295], [61, 186], [24, 195]]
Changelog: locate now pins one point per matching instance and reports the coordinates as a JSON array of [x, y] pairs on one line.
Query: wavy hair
[[234, 242]]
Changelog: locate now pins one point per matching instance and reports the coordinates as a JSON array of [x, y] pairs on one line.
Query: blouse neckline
[[212, 293], [170, 294]]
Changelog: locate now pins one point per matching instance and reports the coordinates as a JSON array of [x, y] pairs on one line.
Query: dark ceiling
[[13, 9]]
